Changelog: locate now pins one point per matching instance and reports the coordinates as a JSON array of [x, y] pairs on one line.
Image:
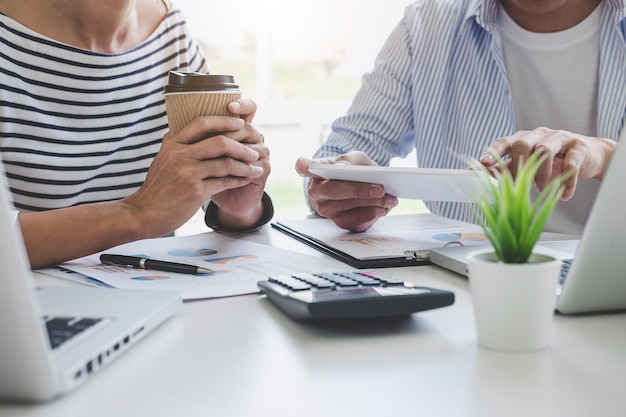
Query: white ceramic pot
[[513, 303]]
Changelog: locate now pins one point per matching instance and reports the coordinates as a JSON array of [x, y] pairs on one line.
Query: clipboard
[[410, 259], [394, 241]]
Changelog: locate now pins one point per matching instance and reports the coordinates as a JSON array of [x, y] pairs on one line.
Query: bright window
[[301, 61]]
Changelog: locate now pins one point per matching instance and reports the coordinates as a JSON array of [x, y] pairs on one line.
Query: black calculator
[[350, 295]]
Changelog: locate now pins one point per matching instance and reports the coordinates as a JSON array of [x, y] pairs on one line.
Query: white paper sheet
[[238, 265]]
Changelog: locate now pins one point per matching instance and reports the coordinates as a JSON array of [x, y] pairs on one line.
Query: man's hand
[[351, 205], [584, 156]]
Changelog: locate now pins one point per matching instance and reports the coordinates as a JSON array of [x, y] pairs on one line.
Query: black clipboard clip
[[424, 254]]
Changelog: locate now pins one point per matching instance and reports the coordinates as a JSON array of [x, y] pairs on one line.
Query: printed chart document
[[397, 240], [237, 265]]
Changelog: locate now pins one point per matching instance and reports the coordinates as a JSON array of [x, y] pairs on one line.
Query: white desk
[[241, 357]]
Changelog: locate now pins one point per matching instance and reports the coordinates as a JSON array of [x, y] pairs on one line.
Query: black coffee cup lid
[[181, 82]]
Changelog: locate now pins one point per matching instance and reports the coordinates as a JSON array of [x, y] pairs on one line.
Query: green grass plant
[[511, 220]]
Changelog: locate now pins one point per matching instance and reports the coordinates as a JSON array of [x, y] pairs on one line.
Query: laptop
[[596, 280], [39, 358]]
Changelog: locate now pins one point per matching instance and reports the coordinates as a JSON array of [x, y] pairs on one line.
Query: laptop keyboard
[[565, 266], [63, 329]]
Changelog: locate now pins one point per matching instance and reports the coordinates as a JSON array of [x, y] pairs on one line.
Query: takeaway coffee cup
[[191, 94]]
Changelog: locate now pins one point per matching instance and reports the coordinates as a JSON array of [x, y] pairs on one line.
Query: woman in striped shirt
[[83, 129], [457, 76]]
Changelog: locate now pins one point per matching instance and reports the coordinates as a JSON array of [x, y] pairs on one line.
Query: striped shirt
[[440, 86], [78, 126]]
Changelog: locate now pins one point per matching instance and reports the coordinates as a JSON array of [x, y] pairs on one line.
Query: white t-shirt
[[554, 83]]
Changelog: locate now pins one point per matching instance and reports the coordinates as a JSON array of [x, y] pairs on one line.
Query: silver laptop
[[596, 281], [53, 338]]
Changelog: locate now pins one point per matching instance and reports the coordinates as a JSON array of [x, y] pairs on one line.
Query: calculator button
[[360, 278], [338, 279], [315, 281], [326, 275], [302, 275], [291, 283], [385, 279]]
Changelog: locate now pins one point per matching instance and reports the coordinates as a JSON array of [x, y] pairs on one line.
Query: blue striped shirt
[[78, 126], [440, 86]]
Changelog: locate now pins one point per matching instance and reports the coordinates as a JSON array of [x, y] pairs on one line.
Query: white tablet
[[431, 184]]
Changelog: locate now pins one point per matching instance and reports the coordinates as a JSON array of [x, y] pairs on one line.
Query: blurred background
[[301, 61]]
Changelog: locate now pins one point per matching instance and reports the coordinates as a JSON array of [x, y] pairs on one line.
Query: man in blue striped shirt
[[458, 76]]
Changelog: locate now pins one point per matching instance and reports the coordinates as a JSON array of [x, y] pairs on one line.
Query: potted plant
[[513, 287]]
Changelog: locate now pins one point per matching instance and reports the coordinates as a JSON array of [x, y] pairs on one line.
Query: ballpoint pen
[[147, 263]]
